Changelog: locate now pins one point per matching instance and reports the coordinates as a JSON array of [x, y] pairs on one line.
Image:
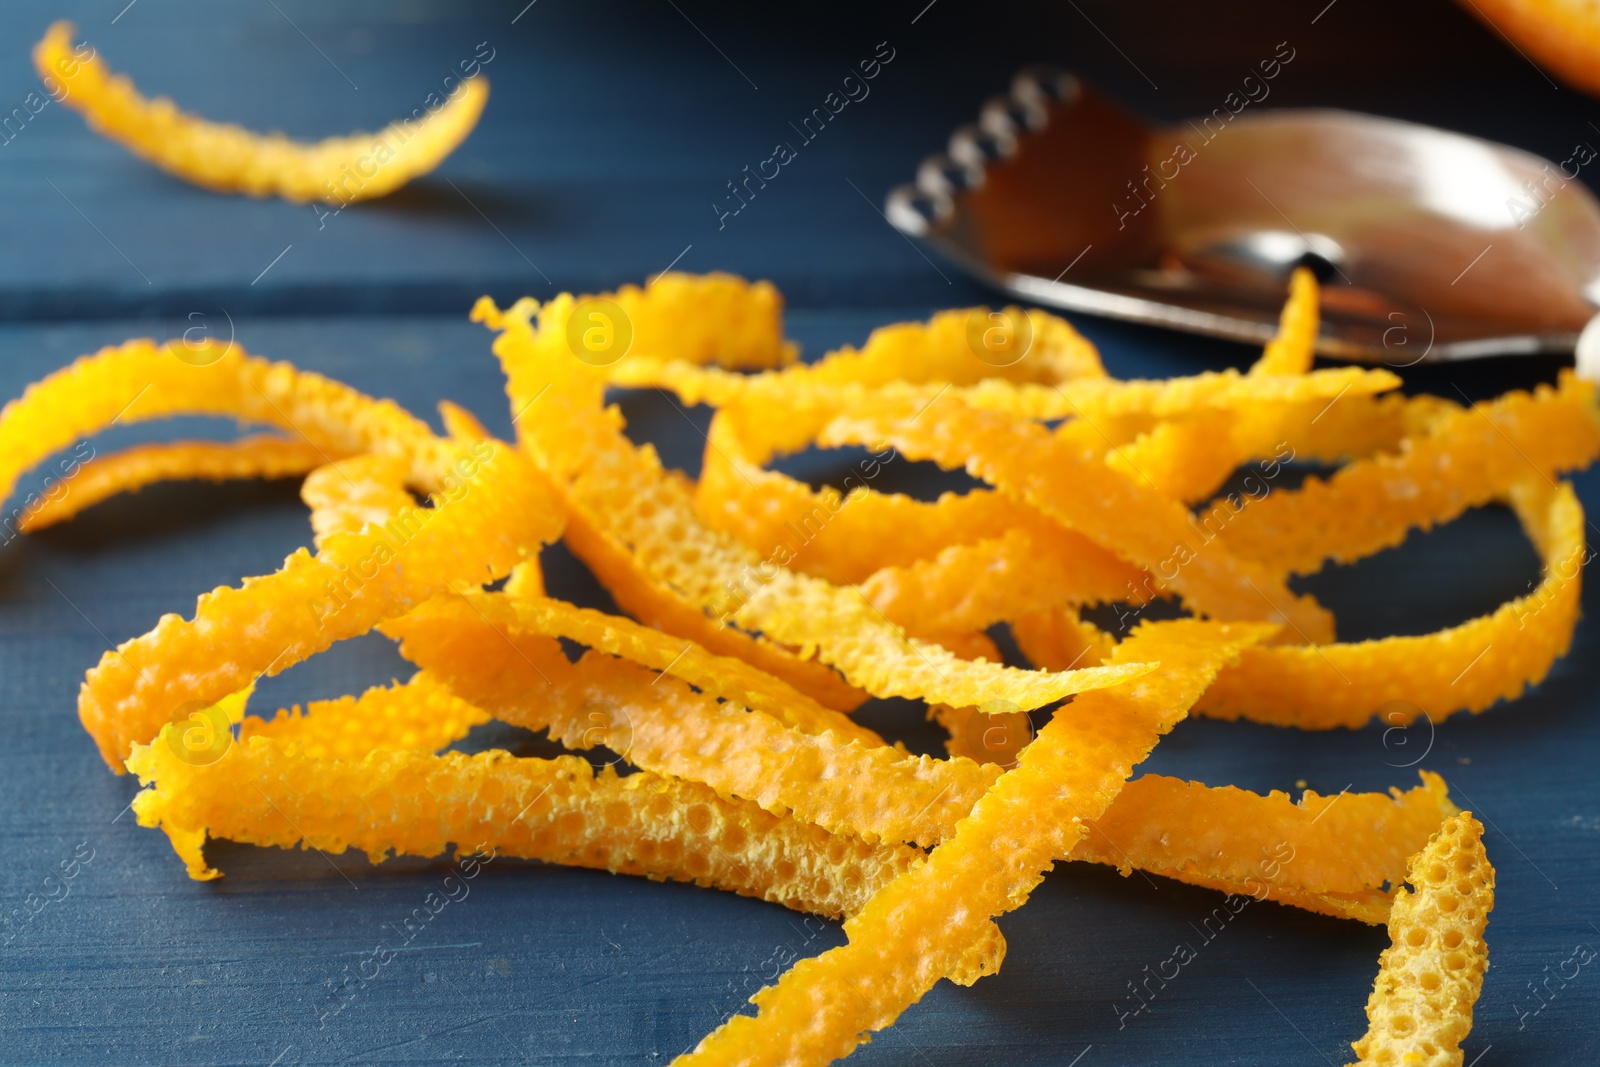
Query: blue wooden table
[[611, 133]]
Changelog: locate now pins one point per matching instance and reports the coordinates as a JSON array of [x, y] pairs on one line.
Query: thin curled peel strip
[[1471, 457], [1086, 397], [719, 676], [231, 159], [1344, 847], [265, 792], [903, 940], [100, 479], [624, 490], [940, 351], [500, 513], [1431, 974], [420, 715], [1401, 679], [511, 668], [139, 381], [1122, 516]]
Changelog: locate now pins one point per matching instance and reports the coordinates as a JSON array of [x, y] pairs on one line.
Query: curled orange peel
[[488, 616], [1399, 680], [499, 655], [1471, 457], [100, 479], [1432, 972], [1334, 854], [139, 381], [267, 792], [420, 715], [230, 159]]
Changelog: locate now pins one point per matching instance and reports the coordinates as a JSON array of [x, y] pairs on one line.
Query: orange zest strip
[[601, 473], [230, 159], [1431, 974], [421, 715], [1137, 523], [1472, 457], [1324, 850], [903, 940], [496, 514], [508, 666], [948, 349], [720, 676], [139, 381], [974, 586], [1401, 679], [134, 468], [392, 802]]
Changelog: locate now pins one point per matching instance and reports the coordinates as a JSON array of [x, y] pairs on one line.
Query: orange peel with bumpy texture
[[1122, 516], [100, 479], [486, 614], [941, 351], [902, 941], [1471, 457], [1344, 847], [1432, 972], [1401, 679], [420, 715], [139, 381], [623, 489], [356, 581], [660, 724], [231, 159], [972, 587], [396, 802]]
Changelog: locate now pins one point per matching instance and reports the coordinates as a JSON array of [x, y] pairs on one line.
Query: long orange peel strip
[[1402, 679], [267, 792], [1432, 972], [903, 940], [230, 159], [1330, 854], [422, 715], [623, 489], [497, 654], [1471, 457], [100, 479]]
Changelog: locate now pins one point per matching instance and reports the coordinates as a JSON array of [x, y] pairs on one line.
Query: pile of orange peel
[[763, 612]]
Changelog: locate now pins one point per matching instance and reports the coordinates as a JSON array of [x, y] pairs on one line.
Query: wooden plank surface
[[611, 130]]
